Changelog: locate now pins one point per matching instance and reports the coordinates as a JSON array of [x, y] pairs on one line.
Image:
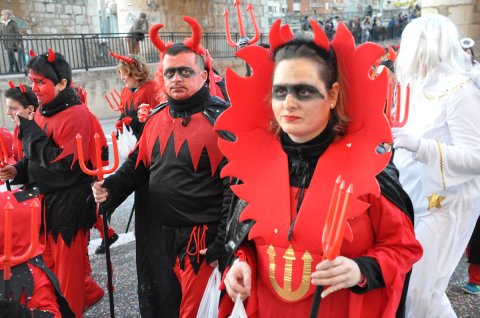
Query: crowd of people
[[285, 185]]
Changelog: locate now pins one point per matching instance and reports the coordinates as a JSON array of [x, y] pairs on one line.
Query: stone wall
[[209, 13], [464, 13], [98, 82], [56, 16]]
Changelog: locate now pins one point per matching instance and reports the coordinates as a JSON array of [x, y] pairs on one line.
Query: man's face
[[14, 107], [43, 88], [5, 16], [182, 76]]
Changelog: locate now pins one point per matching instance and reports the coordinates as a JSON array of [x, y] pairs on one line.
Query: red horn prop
[[126, 59], [32, 53], [286, 31], [392, 55], [320, 38], [10, 83], [276, 37], [194, 41], [51, 56], [22, 88], [156, 41]]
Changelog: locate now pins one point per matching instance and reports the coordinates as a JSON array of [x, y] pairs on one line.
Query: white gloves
[[402, 138]]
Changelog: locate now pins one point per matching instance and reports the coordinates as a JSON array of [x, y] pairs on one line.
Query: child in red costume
[[33, 289], [51, 162]]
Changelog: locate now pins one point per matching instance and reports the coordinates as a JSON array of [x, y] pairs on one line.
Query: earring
[[332, 106]]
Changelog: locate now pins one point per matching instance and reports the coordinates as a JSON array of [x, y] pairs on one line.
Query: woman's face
[[301, 101], [129, 81]]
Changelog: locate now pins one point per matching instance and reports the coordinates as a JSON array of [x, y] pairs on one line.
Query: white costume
[[445, 114]]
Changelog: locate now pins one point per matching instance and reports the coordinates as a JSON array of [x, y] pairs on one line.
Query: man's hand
[[8, 172], [340, 273], [99, 192], [238, 280]]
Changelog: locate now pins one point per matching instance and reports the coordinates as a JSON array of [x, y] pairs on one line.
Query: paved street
[[123, 257]]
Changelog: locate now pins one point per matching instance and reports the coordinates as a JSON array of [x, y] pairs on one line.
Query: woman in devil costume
[[289, 151], [178, 157], [33, 289], [51, 162]]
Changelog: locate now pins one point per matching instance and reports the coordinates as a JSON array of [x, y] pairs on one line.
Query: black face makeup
[[302, 92], [183, 72]]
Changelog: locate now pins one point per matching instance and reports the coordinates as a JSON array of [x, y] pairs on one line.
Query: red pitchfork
[[333, 230], [115, 94], [394, 96], [244, 40], [4, 159], [8, 260], [99, 172]]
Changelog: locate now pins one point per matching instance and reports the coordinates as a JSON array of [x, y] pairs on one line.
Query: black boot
[[101, 248]]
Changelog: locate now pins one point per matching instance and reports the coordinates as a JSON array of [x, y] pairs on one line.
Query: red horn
[[32, 53], [22, 88], [286, 31], [392, 55], [126, 59], [156, 41], [51, 56], [194, 41], [320, 38], [10, 83], [276, 36]]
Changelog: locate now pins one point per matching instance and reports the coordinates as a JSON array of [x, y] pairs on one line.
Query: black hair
[[25, 99], [180, 48], [56, 71]]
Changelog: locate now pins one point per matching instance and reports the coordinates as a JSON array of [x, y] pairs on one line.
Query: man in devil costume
[[51, 162], [33, 289], [178, 156]]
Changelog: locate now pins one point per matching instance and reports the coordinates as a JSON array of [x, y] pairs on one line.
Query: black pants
[[12, 61], [474, 245]]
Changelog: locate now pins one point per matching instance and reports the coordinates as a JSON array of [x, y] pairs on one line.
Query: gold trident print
[[289, 256]]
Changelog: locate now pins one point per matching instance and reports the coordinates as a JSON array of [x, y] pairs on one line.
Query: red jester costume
[[33, 288], [178, 157], [51, 163], [285, 187]]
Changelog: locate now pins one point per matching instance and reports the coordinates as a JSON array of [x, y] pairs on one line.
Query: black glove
[[12, 309], [215, 250]]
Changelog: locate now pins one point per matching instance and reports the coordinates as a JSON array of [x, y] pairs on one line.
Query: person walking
[[12, 41]]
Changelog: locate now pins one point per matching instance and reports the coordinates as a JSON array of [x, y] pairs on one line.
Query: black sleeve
[[124, 181], [22, 171], [372, 272], [12, 309], [38, 147], [217, 248]]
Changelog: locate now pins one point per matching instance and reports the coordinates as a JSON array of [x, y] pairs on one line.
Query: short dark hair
[[143, 15], [180, 48], [25, 99], [55, 71]]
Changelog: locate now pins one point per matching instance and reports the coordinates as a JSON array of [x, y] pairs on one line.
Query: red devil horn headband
[[10, 83], [194, 41], [21, 86], [51, 56], [156, 41], [320, 38], [126, 59], [32, 53], [392, 55], [280, 35]]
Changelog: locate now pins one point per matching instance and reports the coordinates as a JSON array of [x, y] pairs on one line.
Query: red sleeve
[[43, 293], [395, 249]]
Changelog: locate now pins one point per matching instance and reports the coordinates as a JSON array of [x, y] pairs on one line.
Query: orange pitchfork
[[4, 159], [115, 94], [8, 260], [334, 230], [99, 172]]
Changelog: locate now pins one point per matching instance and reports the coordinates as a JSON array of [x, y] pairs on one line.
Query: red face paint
[[44, 89]]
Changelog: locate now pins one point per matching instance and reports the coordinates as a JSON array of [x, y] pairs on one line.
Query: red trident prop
[[99, 172], [115, 95], [244, 40], [334, 230], [8, 260], [394, 96]]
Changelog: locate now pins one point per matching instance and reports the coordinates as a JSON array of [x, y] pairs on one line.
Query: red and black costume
[[33, 289], [285, 189], [51, 163], [473, 254], [178, 155]]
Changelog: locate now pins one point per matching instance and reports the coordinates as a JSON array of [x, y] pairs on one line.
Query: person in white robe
[[438, 156]]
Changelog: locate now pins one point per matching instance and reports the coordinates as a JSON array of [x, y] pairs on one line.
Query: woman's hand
[[340, 273], [238, 280], [99, 192], [8, 172]]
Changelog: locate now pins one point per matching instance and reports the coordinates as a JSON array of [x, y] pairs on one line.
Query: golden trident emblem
[[289, 256]]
